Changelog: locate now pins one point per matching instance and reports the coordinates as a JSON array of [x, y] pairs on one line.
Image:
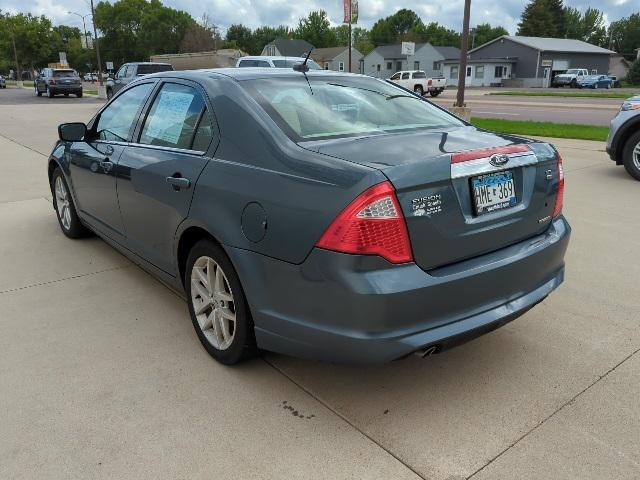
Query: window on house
[[468, 71], [326, 66], [479, 71], [416, 65], [341, 66], [498, 71], [436, 66], [454, 72], [389, 65], [378, 67]]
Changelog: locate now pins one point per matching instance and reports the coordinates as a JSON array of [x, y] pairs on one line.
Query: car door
[[157, 173], [92, 163]]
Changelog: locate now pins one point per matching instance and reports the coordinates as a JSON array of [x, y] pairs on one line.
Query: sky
[[254, 13]]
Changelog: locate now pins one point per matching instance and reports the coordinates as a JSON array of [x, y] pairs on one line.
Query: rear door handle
[[178, 182]]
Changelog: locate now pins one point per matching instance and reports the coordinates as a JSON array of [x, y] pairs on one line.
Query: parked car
[[3, 82], [323, 215], [129, 72], [595, 81], [570, 78], [623, 143], [55, 81], [275, 62], [90, 77], [418, 81]]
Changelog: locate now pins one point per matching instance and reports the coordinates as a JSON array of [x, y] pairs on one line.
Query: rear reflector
[[487, 152], [557, 210], [372, 224]]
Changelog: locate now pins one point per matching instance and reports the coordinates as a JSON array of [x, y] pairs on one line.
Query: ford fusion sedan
[[623, 143], [322, 215]]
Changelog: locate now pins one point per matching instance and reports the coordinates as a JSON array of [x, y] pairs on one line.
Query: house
[[385, 60], [193, 61], [528, 61], [337, 58], [287, 47]]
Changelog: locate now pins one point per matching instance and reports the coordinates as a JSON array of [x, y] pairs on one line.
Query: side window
[[130, 71], [204, 133], [248, 63], [405, 76], [120, 73], [263, 63], [174, 117], [118, 118], [396, 76]]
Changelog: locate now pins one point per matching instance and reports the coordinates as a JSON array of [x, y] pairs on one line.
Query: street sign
[[109, 65], [63, 58], [408, 48]]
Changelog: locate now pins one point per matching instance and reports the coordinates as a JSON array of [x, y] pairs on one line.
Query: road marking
[[499, 113]]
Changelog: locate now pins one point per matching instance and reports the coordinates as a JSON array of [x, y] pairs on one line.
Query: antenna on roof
[[303, 67]]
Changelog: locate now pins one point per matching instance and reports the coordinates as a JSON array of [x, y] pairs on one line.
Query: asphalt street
[[102, 376]]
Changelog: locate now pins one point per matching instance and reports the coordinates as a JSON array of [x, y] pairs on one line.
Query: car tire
[[595, 86], [631, 155], [217, 304], [38, 92], [64, 207], [109, 93], [434, 93], [50, 94], [418, 90], [79, 94], [66, 94], [573, 83]]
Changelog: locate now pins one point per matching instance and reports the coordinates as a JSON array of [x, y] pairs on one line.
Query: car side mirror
[[72, 132]]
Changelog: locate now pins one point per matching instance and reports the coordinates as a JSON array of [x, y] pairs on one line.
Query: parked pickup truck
[[418, 81], [571, 77]]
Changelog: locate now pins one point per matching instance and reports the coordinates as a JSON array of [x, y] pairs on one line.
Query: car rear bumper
[[65, 88], [359, 309]]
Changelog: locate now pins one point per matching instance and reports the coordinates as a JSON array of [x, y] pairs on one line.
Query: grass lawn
[[581, 94], [543, 129]]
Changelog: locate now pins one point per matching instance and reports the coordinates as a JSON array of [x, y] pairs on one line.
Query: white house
[[385, 60]]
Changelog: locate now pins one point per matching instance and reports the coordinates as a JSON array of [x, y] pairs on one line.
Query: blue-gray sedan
[[323, 215]]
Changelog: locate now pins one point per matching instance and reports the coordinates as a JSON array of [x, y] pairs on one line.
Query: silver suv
[[623, 144]]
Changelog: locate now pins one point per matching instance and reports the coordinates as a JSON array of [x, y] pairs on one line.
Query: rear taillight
[[557, 210], [429, 82], [52, 81], [372, 224]]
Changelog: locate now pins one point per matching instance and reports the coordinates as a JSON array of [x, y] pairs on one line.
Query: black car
[[55, 81]]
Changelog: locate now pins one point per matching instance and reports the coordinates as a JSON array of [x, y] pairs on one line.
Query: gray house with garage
[[527, 61], [385, 60]]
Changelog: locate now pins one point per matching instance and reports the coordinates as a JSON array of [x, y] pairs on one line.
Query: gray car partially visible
[[623, 142]]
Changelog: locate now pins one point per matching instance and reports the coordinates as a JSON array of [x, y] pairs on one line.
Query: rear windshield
[[289, 63], [64, 73], [147, 69], [419, 75], [333, 107]]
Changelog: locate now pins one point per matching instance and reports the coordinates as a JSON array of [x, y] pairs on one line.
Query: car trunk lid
[[444, 182]]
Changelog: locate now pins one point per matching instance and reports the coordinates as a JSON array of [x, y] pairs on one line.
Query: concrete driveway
[[102, 376]]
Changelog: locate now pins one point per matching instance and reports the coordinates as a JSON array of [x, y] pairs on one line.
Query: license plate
[[493, 191]]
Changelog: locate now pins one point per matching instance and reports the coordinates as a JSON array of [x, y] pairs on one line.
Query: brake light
[[52, 81], [372, 224], [557, 210], [429, 82]]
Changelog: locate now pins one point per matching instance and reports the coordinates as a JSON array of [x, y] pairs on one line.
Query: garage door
[[560, 65]]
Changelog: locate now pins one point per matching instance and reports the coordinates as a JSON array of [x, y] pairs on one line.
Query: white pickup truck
[[571, 77], [418, 81]]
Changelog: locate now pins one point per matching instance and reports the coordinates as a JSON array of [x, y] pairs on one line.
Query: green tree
[[202, 36], [484, 33], [624, 35], [543, 18], [633, 76], [316, 29], [25, 40], [404, 25], [264, 35], [436, 34], [242, 36], [588, 27]]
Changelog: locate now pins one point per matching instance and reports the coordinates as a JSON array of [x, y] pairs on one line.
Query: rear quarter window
[[419, 75]]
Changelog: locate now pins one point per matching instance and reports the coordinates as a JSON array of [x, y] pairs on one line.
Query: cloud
[[255, 13]]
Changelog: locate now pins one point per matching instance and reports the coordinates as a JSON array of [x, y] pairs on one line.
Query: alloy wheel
[[62, 203], [636, 156], [213, 302]]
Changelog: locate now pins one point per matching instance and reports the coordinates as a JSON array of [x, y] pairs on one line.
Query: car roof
[[269, 57], [147, 63], [251, 73]]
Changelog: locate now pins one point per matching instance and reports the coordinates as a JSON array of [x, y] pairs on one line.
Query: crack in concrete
[[571, 401], [23, 145]]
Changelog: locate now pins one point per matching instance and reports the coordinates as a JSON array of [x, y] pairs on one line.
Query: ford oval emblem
[[498, 160]]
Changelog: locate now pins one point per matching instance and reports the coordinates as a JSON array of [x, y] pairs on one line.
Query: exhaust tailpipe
[[427, 352]]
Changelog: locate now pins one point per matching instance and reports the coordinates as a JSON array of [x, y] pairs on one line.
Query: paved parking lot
[[102, 376]]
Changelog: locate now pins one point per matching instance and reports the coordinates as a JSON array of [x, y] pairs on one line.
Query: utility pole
[[84, 27], [95, 40], [462, 73], [350, 13], [15, 56]]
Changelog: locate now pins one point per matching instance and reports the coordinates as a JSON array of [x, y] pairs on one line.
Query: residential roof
[[291, 47], [448, 53], [544, 44], [394, 51], [326, 54], [483, 60]]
